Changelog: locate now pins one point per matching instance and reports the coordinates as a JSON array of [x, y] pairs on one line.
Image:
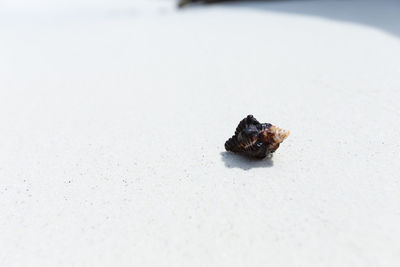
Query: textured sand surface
[[113, 119]]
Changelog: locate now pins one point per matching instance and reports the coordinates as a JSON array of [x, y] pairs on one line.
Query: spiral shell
[[256, 139]]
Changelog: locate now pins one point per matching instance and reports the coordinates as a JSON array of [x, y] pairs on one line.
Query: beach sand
[[113, 118]]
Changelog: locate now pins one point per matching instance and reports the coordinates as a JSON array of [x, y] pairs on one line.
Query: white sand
[[113, 119]]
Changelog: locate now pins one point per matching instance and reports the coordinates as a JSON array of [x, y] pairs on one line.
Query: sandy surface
[[113, 119]]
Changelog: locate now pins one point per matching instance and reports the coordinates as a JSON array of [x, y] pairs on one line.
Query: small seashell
[[256, 139]]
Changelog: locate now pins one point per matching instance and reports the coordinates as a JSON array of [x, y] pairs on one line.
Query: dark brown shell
[[255, 139]]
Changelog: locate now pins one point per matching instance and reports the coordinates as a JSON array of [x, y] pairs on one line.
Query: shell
[[256, 139]]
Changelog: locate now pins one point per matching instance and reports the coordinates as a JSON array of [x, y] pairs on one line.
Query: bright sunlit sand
[[113, 119]]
